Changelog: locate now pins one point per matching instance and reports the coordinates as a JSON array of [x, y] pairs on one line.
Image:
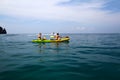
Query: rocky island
[[3, 30]]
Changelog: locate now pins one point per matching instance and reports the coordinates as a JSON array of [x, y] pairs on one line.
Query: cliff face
[[3, 30]]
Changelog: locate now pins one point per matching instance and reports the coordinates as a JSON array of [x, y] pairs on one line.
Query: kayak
[[49, 41]]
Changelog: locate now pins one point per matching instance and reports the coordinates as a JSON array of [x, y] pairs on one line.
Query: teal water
[[85, 57]]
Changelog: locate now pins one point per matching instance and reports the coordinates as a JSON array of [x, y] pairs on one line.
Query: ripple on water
[[85, 57]]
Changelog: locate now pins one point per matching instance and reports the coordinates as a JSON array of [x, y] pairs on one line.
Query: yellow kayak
[[49, 41]]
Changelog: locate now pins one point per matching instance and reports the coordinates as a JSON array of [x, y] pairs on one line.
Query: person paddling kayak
[[57, 36], [39, 35]]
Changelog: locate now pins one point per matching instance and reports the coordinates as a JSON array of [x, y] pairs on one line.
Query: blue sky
[[64, 16]]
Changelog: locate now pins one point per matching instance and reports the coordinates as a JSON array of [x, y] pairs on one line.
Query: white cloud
[[88, 13]]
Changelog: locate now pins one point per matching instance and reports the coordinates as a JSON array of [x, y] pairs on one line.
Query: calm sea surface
[[84, 57]]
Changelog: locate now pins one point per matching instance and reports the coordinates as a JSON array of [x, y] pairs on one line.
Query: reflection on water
[[52, 47]]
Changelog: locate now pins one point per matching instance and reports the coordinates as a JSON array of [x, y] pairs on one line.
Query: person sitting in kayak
[[57, 36], [39, 35], [52, 37]]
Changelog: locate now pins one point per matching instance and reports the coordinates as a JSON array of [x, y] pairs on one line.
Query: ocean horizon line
[[61, 33]]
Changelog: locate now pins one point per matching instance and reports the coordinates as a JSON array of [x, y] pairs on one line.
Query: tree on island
[[3, 30]]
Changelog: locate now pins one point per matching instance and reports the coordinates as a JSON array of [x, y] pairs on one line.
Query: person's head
[[40, 33], [57, 33]]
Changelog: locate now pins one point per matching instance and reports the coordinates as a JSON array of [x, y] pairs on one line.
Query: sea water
[[84, 57]]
